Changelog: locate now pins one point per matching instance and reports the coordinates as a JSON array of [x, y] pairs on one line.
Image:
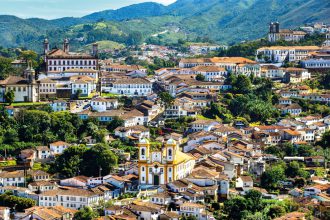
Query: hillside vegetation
[[223, 21]]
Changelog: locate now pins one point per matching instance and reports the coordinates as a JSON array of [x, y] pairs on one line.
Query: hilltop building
[[61, 60], [276, 34], [280, 54], [157, 167]]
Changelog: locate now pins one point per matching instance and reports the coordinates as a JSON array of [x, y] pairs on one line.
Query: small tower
[[30, 73], [95, 50], [66, 45], [144, 149], [46, 46], [171, 148], [277, 27], [274, 27]]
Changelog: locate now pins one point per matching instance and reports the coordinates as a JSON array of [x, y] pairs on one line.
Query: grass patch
[[202, 117], [40, 166], [106, 45], [109, 95], [22, 104], [7, 163]]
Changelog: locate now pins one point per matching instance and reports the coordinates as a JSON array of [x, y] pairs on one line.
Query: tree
[[28, 55], [190, 217], [242, 84], [325, 80], [5, 67], [9, 200], [77, 160], [10, 136], [292, 169], [33, 124], [234, 207], [78, 93], [275, 211], [86, 213], [68, 164], [98, 158], [325, 144], [9, 96], [115, 123], [313, 84], [271, 177], [200, 77], [253, 199], [166, 98]]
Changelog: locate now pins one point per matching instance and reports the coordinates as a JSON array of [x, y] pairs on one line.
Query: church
[[157, 167], [26, 88], [61, 60]]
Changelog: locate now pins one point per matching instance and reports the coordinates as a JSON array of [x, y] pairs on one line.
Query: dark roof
[[13, 80]]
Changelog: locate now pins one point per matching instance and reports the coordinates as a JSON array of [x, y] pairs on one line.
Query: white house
[[15, 178], [272, 72], [101, 104], [43, 152], [315, 63], [244, 182], [279, 54], [85, 87], [42, 186], [136, 132], [162, 198], [203, 125], [47, 88], [296, 75], [59, 105], [145, 212], [70, 198], [293, 109], [194, 209], [211, 73], [130, 87], [58, 147]]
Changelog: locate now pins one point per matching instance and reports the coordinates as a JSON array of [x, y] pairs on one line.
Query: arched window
[[170, 152], [143, 151]]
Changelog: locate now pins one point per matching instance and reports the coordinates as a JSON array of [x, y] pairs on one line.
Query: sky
[[50, 9]]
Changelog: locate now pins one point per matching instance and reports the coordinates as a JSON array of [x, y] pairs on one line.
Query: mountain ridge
[[223, 21]]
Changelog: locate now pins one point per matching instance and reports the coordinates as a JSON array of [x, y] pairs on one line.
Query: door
[[156, 180]]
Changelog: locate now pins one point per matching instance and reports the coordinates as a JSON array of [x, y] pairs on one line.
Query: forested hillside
[[223, 21]]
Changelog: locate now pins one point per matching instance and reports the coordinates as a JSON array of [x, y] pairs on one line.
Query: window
[[170, 152], [143, 151]]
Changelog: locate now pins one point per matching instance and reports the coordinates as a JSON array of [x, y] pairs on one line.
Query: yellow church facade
[[163, 166]]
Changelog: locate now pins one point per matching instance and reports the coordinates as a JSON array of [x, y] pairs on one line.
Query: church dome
[[144, 141], [171, 141]]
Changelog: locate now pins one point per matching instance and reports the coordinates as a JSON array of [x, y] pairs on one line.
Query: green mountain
[[143, 10], [224, 21]]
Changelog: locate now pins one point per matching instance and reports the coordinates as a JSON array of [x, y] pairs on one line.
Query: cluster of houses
[[211, 161], [187, 178]]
